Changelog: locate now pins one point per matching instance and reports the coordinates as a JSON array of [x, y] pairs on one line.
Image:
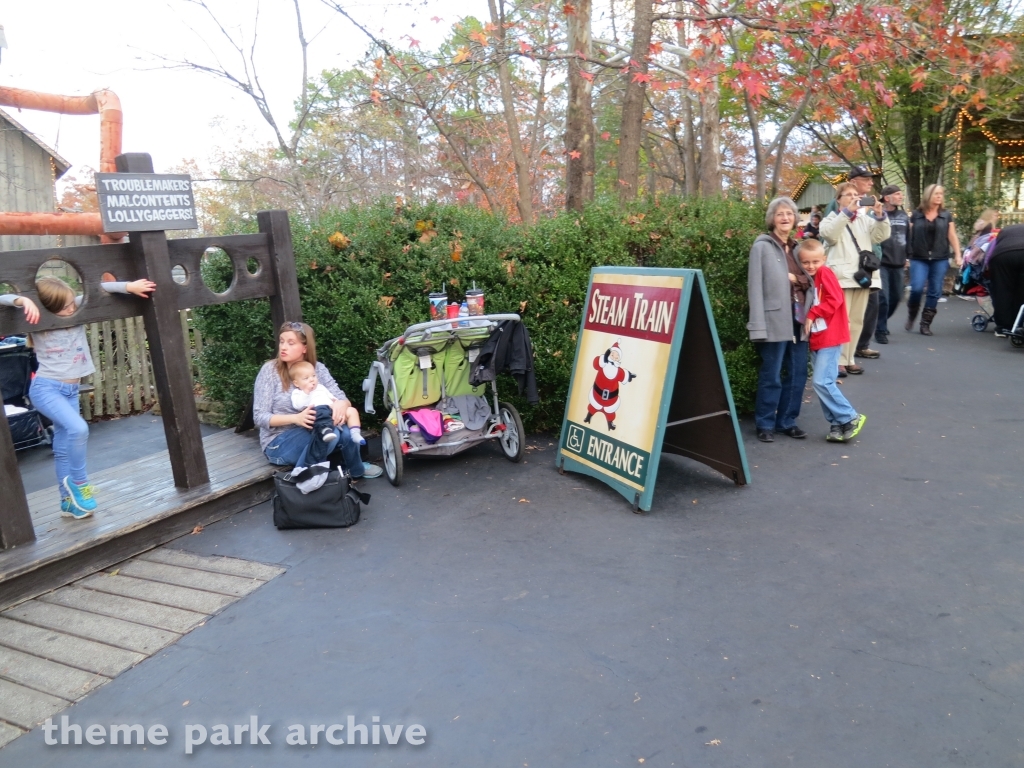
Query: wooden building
[[818, 186], [29, 170]]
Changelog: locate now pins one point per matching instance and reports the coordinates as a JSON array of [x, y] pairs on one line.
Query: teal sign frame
[[695, 415]]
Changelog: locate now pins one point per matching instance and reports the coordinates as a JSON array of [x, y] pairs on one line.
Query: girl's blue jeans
[[58, 401]]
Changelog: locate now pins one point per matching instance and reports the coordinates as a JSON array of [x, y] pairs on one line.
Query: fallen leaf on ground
[[185, 702], [524, 501], [115, 572], [197, 529], [713, 743]]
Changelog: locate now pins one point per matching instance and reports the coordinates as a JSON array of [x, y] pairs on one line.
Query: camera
[[868, 201]]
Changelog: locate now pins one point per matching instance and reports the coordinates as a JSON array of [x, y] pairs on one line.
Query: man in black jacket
[[894, 260]]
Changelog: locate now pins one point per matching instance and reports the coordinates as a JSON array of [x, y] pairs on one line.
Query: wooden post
[[284, 304], [15, 520], [171, 365]]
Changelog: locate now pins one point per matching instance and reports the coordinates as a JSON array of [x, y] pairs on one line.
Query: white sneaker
[[329, 435]]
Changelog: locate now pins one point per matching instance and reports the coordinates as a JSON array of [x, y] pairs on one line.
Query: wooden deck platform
[[139, 508]]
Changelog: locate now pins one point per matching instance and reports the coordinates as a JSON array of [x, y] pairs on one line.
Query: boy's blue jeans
[[836, 407], [58, 401], [291, 448]]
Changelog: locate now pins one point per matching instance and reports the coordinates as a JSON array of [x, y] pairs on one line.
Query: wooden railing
[[124, 382], [1006, 218]]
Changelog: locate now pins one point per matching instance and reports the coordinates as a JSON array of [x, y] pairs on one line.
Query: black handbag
[[869, 260], [335, 504]]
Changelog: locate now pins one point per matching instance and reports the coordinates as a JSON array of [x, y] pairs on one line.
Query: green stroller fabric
[[449, 361], [456, 373], [418, 387]]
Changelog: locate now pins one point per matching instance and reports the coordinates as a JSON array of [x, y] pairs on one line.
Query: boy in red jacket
[[828, 327]]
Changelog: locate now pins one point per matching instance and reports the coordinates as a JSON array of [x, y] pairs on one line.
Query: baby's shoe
[[329, 435]]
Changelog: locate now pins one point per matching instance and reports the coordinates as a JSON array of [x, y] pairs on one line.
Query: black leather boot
[[911, 315], [927, 315]]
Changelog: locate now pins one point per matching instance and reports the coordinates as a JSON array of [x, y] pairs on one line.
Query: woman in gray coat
[[780, 292]]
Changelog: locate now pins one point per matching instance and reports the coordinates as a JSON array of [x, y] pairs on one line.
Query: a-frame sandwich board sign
[[648, 378]]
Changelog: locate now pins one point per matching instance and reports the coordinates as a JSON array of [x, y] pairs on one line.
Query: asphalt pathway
[[856, 605]]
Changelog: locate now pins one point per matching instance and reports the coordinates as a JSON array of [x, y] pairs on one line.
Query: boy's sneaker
[[67, 509], [835, 434], [329, 435], [852, 429], [81, 495]]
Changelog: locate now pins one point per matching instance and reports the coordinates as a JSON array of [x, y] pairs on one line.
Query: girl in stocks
[[63, 356]]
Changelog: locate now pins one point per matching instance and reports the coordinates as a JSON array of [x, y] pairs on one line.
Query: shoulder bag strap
[[855, 243]]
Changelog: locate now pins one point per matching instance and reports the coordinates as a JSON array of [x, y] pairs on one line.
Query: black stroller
[[27, 427]]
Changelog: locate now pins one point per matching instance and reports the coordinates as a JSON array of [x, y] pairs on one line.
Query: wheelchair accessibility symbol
[[574, 440]]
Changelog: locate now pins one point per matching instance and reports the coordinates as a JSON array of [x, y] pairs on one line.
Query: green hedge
[[360, 296]]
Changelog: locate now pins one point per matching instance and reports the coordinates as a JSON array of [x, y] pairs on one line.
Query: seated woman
[[286, 434]]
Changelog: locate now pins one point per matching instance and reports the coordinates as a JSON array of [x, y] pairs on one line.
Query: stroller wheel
[[1016, 340], [48, 435], [391, 448], [512, 439], [979, 323]]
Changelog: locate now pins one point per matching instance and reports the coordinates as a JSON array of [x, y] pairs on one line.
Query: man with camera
[[851, 233]]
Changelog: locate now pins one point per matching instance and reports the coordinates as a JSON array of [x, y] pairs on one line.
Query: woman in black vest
[[932, 234]]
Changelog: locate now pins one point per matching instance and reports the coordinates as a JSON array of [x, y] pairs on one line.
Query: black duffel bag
[[335, 504]]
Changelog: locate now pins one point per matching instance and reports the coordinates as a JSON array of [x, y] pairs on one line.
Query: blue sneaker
[[67, 509], [370, 471], [81, 496]]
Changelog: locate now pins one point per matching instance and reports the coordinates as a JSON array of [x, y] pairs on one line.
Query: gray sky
[[74, 48]]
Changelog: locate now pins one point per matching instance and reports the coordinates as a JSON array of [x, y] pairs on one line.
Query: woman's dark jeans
[[291, 449], [924, 272], [780, 384]]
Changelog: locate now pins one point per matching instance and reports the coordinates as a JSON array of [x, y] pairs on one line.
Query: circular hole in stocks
[[57, 285], [218, 270]]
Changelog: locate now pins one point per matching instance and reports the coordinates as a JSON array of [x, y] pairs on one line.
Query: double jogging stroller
[[434, 409], [28, 429]]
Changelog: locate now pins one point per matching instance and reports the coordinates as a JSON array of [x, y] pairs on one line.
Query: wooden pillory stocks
[[151, 255]]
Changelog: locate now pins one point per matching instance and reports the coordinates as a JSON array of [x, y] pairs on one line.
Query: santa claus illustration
[[604, 396]]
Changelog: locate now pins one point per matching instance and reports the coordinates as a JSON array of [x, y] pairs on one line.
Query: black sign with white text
[[142, 202]]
